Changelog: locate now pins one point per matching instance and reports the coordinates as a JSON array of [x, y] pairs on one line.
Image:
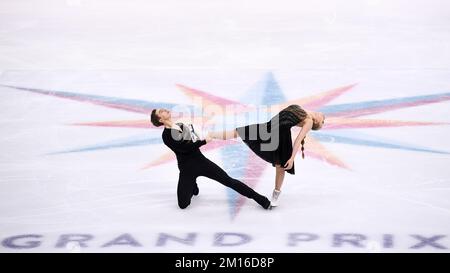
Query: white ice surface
[[141, 49]]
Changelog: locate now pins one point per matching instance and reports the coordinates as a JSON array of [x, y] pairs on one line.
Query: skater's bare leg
[[224, 134], [279, 177]]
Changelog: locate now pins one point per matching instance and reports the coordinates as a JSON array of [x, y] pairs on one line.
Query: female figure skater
[[278, 132]]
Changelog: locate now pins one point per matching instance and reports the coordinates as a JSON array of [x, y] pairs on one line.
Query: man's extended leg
[[212, 171]]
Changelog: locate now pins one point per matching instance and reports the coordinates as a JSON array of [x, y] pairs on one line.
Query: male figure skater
[[183, 141]]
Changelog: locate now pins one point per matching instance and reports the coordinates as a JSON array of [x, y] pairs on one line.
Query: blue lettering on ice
[[164, 237], [354, 239], [10, 242], [79, 238], [124, 239], [219, 239], [388, 241], [293, 238], [424, 241]]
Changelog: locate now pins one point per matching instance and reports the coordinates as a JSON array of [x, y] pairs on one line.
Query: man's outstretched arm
[[183, 146]]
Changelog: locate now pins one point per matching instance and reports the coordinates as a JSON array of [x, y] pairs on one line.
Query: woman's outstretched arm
[[223, 134], [307, 125], [301, 135]]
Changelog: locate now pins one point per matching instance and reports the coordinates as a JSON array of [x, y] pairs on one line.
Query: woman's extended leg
[[279, 178], [224, 134]]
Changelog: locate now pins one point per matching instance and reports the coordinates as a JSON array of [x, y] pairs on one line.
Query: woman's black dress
[[272, 140]]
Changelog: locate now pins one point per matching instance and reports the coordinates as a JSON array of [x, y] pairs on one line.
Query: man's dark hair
[[154, 118]]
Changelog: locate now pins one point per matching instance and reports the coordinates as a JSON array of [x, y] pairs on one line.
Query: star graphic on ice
[[339, 119]]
